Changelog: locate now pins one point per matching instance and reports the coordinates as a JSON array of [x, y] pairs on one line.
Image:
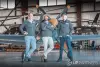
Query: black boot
[[59, 60], [29, 59], [70, 57], [24, 58], [45, 60]]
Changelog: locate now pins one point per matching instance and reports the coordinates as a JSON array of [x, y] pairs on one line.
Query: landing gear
[[42, 58]]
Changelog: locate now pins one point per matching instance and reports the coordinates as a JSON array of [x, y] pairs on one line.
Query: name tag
[[67, 23]]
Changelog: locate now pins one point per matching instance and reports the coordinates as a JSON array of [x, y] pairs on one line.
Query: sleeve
[[22, 27], [50, 27], [37, 22], [43, 26], [71, 27], [63, 12], [58, 27], [38, 27]]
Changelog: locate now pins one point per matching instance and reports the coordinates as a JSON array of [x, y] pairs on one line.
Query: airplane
[[19, 39], [91, 26], [7, 34]]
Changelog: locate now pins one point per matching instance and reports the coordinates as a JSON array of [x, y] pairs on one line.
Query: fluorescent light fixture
[[97, 0], [51, 2], [42, 2]]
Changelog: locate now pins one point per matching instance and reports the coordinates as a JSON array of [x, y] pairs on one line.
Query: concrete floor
[[81, 58]]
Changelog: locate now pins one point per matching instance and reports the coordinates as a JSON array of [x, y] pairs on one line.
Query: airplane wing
[[11, 39], [63, 12], [19, 39], [85, 37]]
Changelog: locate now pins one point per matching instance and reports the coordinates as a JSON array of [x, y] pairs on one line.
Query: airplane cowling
[[53, 21]]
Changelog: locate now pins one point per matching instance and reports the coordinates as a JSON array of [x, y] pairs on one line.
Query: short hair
[[45, 15]]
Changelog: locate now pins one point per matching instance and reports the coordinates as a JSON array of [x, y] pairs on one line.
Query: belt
[[66, 35]]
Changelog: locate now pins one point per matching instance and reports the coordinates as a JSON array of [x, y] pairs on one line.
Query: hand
[[25, 33], [37, 6], [68, 6], [52, 26], [37, 38]]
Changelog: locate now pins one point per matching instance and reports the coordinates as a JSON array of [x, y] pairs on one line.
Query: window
[[11, 4], [51, 2], [61, 2], [42, 2], [7, 4], [3, 3]]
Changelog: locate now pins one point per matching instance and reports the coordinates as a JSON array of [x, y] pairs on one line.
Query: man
[[65, 30], [30, 40], [46, 31]]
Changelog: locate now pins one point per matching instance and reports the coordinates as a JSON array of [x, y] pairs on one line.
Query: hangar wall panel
[[98, 6], [87, 7], [2, 29], [6, 12]]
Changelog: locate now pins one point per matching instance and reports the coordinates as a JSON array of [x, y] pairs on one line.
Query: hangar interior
[[84, 15]]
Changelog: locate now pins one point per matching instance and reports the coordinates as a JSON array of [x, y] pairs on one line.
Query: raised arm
[[65, 10], [38, 24], [41, 9]]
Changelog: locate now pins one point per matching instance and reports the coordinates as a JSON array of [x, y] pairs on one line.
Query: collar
[[47, 22], [31, 21], [64, 21]]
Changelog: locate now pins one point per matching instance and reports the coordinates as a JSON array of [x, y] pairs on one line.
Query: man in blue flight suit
[[64, 31]]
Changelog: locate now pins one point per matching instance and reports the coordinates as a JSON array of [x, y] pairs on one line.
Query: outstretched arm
[[42, 10], [65, 10], [38, 24]]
